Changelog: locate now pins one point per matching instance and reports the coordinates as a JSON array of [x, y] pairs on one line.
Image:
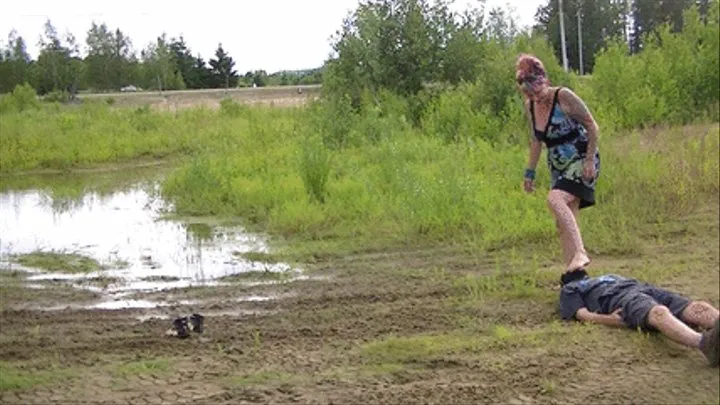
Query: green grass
[[12, 379], [390, 184], [414, 189], [142, 367], [421, 348], [261, 257], [59, 262], [53, 137], [16, 378], [512, 284]]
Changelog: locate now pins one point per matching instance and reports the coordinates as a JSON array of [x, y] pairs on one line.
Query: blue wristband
[[530, 174]]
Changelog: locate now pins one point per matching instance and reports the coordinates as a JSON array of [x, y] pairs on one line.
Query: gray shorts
[[637, 301]]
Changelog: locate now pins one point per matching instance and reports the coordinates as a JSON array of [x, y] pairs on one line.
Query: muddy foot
[[579, 261]]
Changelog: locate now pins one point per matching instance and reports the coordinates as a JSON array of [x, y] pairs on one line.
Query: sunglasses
[[529, 79]]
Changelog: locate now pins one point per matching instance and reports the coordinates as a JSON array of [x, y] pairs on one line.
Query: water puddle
[[124, 231]]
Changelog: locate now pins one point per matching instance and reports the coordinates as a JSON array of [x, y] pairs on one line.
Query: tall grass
[[414, 187], [59, 137]]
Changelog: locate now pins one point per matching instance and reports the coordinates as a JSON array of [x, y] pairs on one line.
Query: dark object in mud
[[196, 322], [181, 327]]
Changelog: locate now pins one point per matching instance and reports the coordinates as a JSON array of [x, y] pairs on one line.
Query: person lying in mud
[[618, 301]]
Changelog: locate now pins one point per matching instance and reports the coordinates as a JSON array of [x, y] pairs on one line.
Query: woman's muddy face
[[530, 84]]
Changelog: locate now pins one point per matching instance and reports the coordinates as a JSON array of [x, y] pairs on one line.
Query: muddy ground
[[419, 325]]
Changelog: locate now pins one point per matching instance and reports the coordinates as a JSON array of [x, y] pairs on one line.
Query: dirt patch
[[431, 325], [42, 296], [259, 276], [279, 96]]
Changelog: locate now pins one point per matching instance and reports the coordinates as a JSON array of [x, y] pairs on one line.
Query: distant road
[[174, 99], [239, 90]]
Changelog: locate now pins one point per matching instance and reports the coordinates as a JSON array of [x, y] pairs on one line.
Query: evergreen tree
[[222, 69]]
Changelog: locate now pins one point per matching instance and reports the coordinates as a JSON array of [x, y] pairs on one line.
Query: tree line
[[602, 20], [110, 63], [399, 45], [402, 45]]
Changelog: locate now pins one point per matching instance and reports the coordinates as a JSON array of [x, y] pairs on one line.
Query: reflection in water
[[199, 231], [124, 227]]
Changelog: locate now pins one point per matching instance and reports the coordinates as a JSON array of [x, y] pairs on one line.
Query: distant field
[[173, 100]]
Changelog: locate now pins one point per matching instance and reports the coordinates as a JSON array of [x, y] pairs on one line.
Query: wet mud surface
[[389, 333]]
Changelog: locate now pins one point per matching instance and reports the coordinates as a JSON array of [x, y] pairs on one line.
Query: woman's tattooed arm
[[576, 108]]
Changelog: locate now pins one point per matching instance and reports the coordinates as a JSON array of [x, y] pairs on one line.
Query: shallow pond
[[123, 229]]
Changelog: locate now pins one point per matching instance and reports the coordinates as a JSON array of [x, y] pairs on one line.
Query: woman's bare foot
[[579, 261]]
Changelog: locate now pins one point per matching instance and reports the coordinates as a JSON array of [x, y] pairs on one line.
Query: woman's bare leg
[[565, 244], [561, 205]]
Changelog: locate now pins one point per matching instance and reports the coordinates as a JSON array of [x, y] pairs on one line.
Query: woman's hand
[[589, 171], [529, 185]]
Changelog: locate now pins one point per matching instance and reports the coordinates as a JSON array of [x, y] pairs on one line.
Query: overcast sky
[[271, 34]]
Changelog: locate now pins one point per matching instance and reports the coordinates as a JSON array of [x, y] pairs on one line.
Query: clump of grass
[[547, 386], [13, 275], [399, 350], [502, 333], [515, 284], [15, 378], [421, 348], [232, 108], [260, 257], [59, 262], [315, 168], [142, 367]]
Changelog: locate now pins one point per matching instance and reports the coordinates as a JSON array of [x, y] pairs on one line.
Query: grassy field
[[433, 275]]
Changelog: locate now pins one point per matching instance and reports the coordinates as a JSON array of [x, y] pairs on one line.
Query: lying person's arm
[[614, 319]]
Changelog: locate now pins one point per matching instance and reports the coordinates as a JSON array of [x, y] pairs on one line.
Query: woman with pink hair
[[560, 120]]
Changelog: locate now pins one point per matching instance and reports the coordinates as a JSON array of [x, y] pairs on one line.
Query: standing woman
[[560, 120]]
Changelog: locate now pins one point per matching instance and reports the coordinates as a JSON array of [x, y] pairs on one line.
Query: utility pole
[[629, 24], [580, 44], [562, 36]]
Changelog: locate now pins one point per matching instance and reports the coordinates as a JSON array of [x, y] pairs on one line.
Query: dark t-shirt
[[593, 293]]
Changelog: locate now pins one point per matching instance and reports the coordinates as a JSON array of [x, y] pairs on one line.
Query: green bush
[[674, 80], [22, 98], [57, 96]]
